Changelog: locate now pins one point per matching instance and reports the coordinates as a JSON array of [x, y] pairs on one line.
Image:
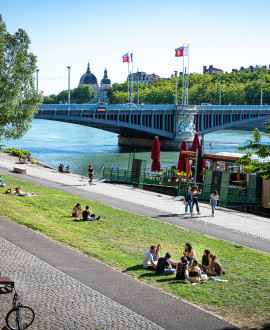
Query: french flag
[[126, 58]]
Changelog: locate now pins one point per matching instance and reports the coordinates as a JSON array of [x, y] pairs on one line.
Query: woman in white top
[[189, 253], [213, 201]]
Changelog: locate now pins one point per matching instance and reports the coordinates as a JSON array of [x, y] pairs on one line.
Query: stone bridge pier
[[184, 129]]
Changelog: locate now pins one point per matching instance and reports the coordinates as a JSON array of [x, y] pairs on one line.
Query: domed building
[[89, 79]]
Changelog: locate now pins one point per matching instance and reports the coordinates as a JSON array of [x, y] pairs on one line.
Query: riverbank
[[247, 224], [240, 228]]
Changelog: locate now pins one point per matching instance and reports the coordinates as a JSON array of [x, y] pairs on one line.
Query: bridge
[[137, 125]]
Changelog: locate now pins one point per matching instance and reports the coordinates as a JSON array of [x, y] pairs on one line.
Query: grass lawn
[[120, 239]]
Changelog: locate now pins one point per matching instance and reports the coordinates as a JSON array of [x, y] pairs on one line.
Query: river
[[52, 142]]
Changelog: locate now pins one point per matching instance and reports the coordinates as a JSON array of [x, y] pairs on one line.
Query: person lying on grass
[[148, 262], [164, 266], [195, 274], [10, 191], [215, 268], [87, 216]]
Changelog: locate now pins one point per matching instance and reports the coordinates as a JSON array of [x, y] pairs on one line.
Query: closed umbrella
[[155, 156], [183, 158], [195, 143]]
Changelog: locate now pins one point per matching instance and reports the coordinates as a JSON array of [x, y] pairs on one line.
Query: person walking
[[213, 201], [195, 192], [90, 173], [188, 200]]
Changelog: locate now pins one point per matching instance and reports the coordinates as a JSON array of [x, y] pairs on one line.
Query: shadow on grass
[[133, 268]]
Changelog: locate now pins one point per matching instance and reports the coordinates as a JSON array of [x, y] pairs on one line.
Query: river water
[[52, 142]]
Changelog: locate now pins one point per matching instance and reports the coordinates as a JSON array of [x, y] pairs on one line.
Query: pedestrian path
[[59, 301], [248, 224]]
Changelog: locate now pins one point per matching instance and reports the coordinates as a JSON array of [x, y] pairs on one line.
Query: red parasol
[[183, 158], [155, 155], [195, 143]]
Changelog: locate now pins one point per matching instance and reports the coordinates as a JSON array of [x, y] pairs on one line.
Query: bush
[[17, 152]]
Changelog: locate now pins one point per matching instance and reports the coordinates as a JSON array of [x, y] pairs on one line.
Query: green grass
[[120, 239]]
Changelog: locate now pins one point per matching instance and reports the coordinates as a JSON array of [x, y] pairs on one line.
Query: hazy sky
[[227, 34]]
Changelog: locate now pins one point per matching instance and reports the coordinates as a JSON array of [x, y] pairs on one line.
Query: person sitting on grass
[[215, 268], [77, 210], [205, 260], [156, 255], [189, 253], [195, 274], [148, 262], [2, 184], [182, 270], [164, 266], [87, 216]]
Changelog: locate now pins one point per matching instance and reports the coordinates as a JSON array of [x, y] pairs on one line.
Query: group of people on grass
[[188, 269], [191, 199], [83, 215]]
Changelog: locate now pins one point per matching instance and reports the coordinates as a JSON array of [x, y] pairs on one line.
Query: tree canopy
[[262, 150], [243, 87], [81, 94], [19, 100]]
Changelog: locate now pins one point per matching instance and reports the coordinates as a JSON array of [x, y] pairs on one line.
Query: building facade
[[89, 79]]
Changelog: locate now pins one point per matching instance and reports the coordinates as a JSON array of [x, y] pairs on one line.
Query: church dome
[[105, 80], [88, 78]]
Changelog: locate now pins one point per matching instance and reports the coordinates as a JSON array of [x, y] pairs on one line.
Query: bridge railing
[[233, 107]]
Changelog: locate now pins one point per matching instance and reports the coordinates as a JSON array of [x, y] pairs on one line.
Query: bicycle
[[19, 317]]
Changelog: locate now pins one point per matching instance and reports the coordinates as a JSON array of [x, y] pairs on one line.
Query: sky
[[226, 34]]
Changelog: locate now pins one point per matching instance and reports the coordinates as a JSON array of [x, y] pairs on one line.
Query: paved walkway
[[60, 301]]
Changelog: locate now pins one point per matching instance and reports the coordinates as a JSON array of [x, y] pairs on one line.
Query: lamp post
[[175, 73], [220, 91], [262, 90], [37, 71], [68, 87], [138, 91]]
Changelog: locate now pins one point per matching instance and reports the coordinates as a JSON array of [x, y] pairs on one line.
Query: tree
[[19, 100], [262, 150]]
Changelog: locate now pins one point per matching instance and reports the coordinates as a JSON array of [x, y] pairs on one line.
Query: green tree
[[82, 94], [262, 150], [19, 100]]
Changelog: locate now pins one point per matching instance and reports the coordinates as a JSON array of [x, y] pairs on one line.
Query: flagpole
[[128, 79], [188, 75], [183, 84], [132, 81]]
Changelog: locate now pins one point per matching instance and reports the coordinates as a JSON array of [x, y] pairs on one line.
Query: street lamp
[[68, 87], [175, 73], [220, 91], [37, 71], [262, 90]]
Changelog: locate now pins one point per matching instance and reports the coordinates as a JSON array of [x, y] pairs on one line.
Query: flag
[[126, 58], [181, 51], [131, 57], [185, 51]]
